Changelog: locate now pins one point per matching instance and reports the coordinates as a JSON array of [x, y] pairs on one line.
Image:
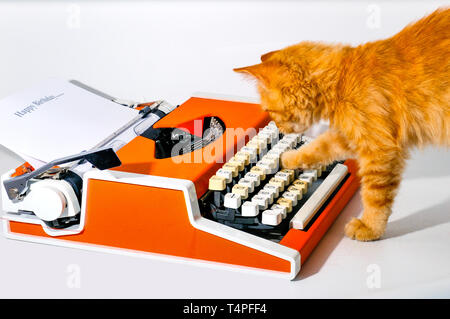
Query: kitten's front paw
[[356, 229], [289, 159], [298, 159]]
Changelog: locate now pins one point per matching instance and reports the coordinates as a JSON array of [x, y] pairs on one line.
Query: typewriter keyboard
[[250, 192]]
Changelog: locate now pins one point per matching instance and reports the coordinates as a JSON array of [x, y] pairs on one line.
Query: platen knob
[[48, 202]]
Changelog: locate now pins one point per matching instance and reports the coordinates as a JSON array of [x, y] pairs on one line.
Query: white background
[[152, 50]]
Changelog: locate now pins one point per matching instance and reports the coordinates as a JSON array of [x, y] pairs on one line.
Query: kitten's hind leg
[[328, 147], [380, 178]]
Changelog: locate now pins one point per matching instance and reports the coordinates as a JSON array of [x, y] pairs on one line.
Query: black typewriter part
[[75, 181], [64, 222], [170, 142]]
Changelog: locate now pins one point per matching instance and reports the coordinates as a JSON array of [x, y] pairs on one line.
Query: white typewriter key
[[319, 171], [279, 211], [253, 177], [282, 147], [290, 172], [296, 190], [275, 146], [231, 168], [261, 201], [289, 137], [272, 157], [272, 164], [273, 189], [264, 167], [263, 151], [249, 209], [261, 140], [291, 196], [245, 157], [232, 200], [311, 172], [273, 132], [285, 143], [301, 185], [240, 190], [267, 194], [276, 152], [267, 136], [260, 171], [286, 202], [292, 142], [240, 164], [275, 160], [295, 136], [281, 208], [278, 183], [305, 139], [307, 178], [248, 183], [250, 151], [276, 168], [254, 146], [271, 217], [255, 143], [284, 176], [272, 124], [224, 173]]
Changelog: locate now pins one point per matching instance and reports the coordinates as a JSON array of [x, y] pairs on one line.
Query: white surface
[[59, 119], [168, 50]]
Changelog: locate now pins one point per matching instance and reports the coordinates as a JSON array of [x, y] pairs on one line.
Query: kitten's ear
[[264, 57], [260, 71]]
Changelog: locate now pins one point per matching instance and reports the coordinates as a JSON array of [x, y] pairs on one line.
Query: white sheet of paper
[[56, 118]]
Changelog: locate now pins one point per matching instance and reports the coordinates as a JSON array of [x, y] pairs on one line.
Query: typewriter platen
[[201, 182]]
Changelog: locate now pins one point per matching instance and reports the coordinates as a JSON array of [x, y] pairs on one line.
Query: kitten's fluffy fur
[[381, 98]]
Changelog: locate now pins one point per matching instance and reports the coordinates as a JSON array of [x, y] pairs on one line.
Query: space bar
[[313, 204]]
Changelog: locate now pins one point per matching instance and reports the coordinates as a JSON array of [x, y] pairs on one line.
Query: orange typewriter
[[198, 182]]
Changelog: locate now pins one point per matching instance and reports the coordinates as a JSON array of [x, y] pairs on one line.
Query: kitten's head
[[292, 84]]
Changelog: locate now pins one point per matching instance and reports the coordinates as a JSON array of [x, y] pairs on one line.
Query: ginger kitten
[[381, 98]]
